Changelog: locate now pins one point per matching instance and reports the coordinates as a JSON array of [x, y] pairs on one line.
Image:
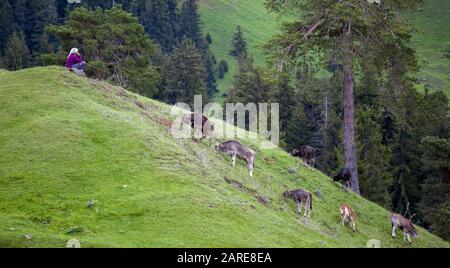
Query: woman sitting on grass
[[75, 62]]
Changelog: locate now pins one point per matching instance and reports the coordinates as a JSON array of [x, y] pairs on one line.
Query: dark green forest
[[157, 48]]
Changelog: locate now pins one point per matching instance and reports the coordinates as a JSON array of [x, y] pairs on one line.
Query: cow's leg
[[310, 163], [305, 161], [299, 208], [342, 219], [209, 143], [306, 209], [250, 168], [197, 135], [309, 210], [349, 186], [233, 158], [354, 226], [393, 231], [409, 238]]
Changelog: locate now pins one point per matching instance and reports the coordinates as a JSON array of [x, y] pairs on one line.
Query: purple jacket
[[73, 59]]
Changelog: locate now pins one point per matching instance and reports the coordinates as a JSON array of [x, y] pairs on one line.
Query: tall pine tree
[[6, 23], [185, 74], [16, 53], [238, 44], [160, 20], [353, 28]]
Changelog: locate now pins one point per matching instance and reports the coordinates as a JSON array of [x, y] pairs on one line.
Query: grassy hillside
[[220, 18], [431, 38], [65, 141]]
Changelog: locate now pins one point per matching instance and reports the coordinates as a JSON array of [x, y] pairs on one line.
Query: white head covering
[[73, 51]]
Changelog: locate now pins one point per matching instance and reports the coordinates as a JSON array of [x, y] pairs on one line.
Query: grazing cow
[[302, 198], [347, 213], [235, 148], [398, 221], [307, 153], [207, 126], [345, 177]]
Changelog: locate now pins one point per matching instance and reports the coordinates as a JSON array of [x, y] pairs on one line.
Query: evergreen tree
[[238, 44], [405, 164], [211, 82], [353, 29], [330, 159], [373, 157], [30, 17], [297, 129], [113, 41], [45, 13], [249, 83], [158, 18], [185, 75], [174, 20], [190, 23], [284, 94], [388, 127], [416, 116], [6, 23], [435, 166], [222, 69], [16, 53], [24, 18], [190, 27], [208, 38], [137, 7], [442, 224], [328, 134]]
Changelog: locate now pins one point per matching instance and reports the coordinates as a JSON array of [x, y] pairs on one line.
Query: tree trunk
[[349, 116]]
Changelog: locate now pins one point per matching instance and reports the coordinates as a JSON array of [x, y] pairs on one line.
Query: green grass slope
[[66, 140], [431, 40], [220, 18]]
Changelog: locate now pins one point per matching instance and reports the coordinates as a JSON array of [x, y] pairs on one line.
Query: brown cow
[[207, 127], [303, 198], [307, 153], [347, 213], [398, 221]]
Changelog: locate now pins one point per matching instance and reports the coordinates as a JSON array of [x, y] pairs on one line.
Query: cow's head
[[219, 147], [337, 177], [286, 194], [295, 152], [412, 230], [342, 210]]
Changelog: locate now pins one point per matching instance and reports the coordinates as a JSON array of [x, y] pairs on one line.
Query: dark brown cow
[[398, 221], [307, 153], [303, 198], [345, 177], [207, 126], [235, 148]]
